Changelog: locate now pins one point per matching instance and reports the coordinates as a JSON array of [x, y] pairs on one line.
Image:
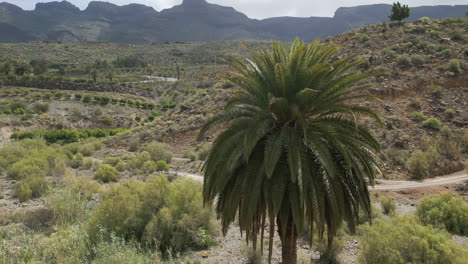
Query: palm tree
[[292, 149]]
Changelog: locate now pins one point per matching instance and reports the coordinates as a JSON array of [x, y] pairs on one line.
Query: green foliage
[[450, 113], [388, 204], [106, 173], [113, 161], [86, 149], [418, 116], [67, 135], [161, 165], [418, 60], [446, 53], [68, 206], [454, 66], [276, 154], [183, 222], [421, 163], [402, 240], [158, 151], [149, 166], [444, 211], [41, 108], [399, 12], [403, 61], [192, 156], [137, 161], [31, 187], [432, 123]]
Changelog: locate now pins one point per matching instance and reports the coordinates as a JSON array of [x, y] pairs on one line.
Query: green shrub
[[421, 163], [445, 131], [158, 151], [127, 208], [113, 161], [192, 156], [86, 150], [432, 123], [86, 99], [184, 222], [161, 165], [28, 166], [68, 206], [402, 240], [454, 66], [106, 173], [403, 61], [41, 108], [444, 211], [418, 60], [149, 166], [446, 53], [418, 116], [450, 113], [48, 96], [58, 95], [31, 187], [106, 120], [388, 204]]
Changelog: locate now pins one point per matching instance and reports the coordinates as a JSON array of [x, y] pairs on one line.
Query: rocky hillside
[[193, 20]]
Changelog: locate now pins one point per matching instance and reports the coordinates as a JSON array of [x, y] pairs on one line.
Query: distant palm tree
[[292, 150]]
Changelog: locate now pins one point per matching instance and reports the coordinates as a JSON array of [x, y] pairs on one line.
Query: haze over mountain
[[193, 20]]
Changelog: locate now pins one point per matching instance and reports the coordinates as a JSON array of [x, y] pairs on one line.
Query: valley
[[102, 161]]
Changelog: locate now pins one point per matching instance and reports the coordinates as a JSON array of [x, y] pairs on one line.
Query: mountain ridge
[[192, 20]]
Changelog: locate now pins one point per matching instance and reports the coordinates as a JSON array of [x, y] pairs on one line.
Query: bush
[[68, 206], [106, 120], [432, 123], [113, 161], [86, 150], [31, 187], [418, 116], [388, 204], [184, 221], [454, 66], [418, 60], [421, 163], [403, 61], [446, 53], [444, 211], [161, 165], [450, 113], [158, 151], [192, 156], [58, 95], [41, 108], [106, 173], [149, 166], [86, 99], [127, 208], [402, 240], [116, 250]]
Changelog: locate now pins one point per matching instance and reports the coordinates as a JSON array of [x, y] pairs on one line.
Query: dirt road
[[384, 185]]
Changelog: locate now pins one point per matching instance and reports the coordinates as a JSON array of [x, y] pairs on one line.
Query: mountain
[[193, 20]]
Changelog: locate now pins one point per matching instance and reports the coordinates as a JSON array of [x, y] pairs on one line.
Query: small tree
[[6, 68], [399, 12], [22, 68]]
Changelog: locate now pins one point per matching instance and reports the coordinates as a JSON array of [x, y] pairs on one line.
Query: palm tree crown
[[293, 149]]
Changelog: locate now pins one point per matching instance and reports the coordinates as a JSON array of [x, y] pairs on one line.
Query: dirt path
[[383, 185]]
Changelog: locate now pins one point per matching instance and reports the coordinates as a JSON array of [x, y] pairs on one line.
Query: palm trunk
[[288, 242]]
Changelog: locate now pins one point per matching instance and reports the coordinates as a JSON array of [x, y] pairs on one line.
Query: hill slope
[[193, 20]]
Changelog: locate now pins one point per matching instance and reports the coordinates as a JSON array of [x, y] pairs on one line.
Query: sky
[[261, 8]]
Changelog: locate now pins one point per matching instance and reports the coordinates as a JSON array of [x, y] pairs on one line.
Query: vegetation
[[444, 211], [281, 124], [399, 12], [64, 136], [106, 173], [388, 204], [403, 240]]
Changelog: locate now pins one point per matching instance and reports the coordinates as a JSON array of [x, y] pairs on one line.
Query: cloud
[[261, 8]]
